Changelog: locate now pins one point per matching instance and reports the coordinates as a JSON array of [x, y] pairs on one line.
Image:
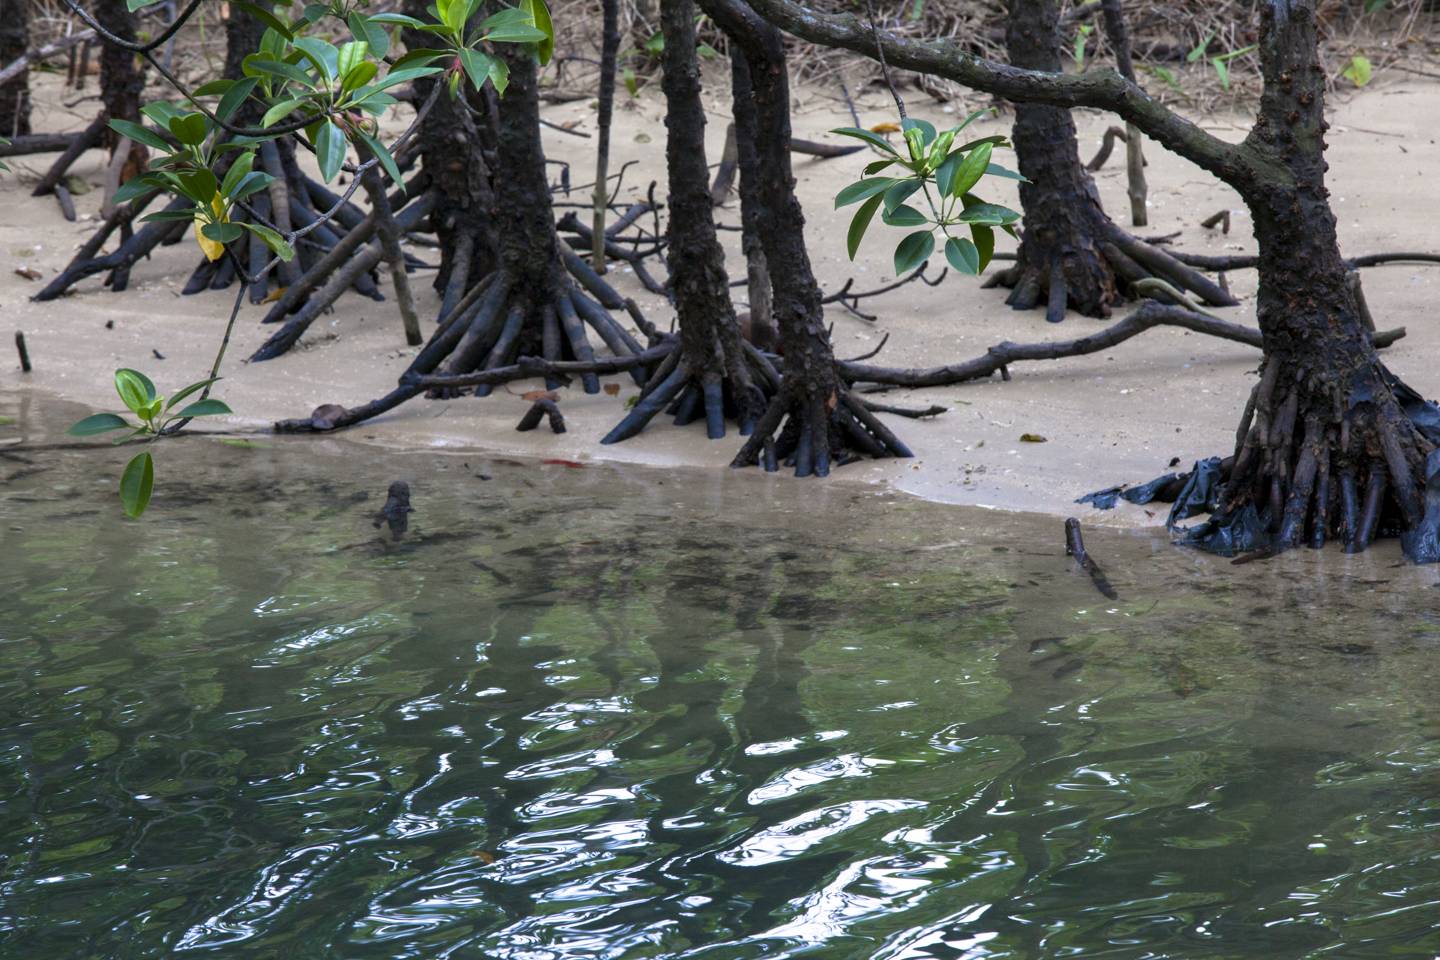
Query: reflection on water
[[592, 713]]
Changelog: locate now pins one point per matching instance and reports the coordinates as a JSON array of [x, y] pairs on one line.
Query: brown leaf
[[534, 395], [485, 856], [274, 295], [1032, 438], [29, 273], [565, 463], [832, 400], [885, 128], [613, 389]]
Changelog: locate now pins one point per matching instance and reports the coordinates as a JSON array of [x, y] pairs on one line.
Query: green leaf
[[971, 169], [280, 111], [252, 184], [913, 251], [137, 187], [862, 190], [988, 214], [901, 192], [962, 255], [1358, 71], [330, 150], [477, 66], [904, 215], [266, 17], [399, 18], [860, 223], [139, 134], [386, 160], [325, 56], [926, 128], [190, 390], [371, 33], [136, 484], [995, 170], [1221, 71], [984, 240], [169, 216], [273, 240], [351, 55], [199, 185], [135, 389], [189, 129], [873, 168], [99, 423], [206, 408], [870, 137], [359, 75], [223, 232], [540, 16], [278, 68], [235, 97], [213, 89], [238, 171]]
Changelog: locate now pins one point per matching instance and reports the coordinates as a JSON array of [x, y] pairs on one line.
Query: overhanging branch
[[1104, 89]]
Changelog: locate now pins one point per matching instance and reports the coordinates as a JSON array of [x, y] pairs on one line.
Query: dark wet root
[[738, 393], [813, 433], [1095, 280], [501, 320], [1303, 474]]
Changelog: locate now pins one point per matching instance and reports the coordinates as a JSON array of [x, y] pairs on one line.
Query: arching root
[[813, 432], [1091, 281]]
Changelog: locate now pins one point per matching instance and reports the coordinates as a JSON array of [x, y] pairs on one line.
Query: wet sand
[[1112, 417]]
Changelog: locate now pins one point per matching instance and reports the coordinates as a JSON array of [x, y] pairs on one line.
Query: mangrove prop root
[[24, 352], [541, 408], [1075, 547], [1107, 146], [994, 360], [1219, 219]]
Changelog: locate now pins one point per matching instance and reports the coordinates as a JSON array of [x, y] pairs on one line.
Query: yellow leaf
[[213, 251]]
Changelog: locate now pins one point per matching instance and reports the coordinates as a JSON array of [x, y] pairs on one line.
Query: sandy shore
[[1110, 417]]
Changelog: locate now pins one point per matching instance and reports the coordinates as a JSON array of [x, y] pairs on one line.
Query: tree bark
[[14, 93], [820, 421], [121, 81], [761, 321], [1064, 222]]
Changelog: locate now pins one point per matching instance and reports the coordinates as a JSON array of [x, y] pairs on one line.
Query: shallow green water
[[585, 713]]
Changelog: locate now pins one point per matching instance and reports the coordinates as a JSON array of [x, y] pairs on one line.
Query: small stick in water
[[1075, 547], [24, 353]]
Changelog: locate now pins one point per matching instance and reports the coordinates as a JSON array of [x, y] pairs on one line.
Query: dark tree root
[[1092, 281], [540, 409], [500, 319], [999, 357], [349, 263], [134, 246], [812, 433], [418, 378], [697, 391], [1310, 469]]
